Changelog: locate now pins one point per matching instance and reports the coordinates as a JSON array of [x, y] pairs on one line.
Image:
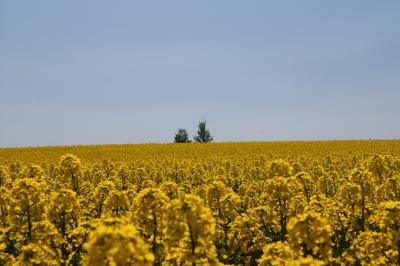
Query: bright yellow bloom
[[121, 245]]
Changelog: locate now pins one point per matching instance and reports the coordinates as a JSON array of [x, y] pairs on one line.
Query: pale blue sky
[[86, 72]]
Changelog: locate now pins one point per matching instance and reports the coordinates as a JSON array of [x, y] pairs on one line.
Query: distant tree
[[203, 133], [182, 136]]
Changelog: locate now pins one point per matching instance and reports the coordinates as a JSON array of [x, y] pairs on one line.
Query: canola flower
[[319, 203]]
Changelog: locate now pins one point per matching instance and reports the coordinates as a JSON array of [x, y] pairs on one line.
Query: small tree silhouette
[[182, 136], [203, 133]]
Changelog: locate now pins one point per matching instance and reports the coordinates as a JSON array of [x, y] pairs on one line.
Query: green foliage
[[203, 134], [182, 136]]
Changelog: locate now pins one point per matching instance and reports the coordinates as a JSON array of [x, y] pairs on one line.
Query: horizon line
[[212, 142]]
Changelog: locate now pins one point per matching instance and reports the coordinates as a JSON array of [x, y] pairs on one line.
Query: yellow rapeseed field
[[255, 203]]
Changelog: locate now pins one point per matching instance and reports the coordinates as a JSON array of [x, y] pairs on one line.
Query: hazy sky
[[86, 72]]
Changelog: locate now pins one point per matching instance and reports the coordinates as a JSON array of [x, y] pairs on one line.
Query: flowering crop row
[[226, 209]]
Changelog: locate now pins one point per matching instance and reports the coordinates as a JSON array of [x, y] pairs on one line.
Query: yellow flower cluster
[[289, 203]]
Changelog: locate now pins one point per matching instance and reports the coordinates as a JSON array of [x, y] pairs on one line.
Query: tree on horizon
[[203, 134], [182, 136]]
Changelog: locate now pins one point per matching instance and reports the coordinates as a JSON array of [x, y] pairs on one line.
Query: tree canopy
[[182, 136], [203, 134]]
